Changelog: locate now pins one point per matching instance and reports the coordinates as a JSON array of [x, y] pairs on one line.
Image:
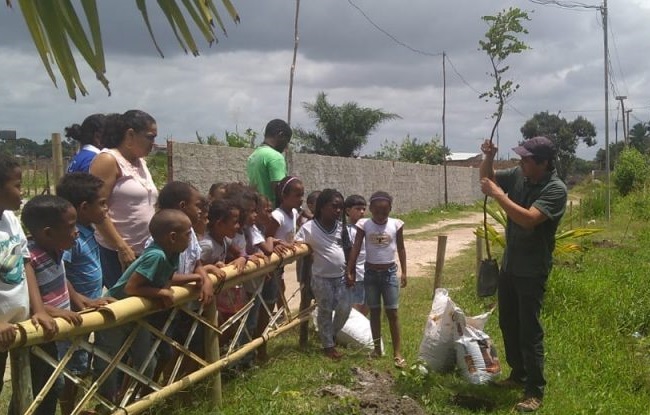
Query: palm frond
[[565, 240], [57, 32]]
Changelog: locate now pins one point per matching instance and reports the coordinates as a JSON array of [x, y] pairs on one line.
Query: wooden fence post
[[440, 261], [21, 379], [170, 161], [479, 253], [57, 156]]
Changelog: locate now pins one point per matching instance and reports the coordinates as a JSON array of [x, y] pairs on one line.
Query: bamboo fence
[[135, 310]]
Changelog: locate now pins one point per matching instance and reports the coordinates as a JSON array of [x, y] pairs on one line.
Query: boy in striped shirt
[[51, 221]]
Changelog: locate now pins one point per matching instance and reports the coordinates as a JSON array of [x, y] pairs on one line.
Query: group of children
[[57, 273]]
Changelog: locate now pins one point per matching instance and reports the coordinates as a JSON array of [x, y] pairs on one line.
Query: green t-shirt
[[153, 264], [264, 166], [529, 253]]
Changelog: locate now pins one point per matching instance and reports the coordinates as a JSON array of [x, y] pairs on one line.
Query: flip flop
[[400, 362]]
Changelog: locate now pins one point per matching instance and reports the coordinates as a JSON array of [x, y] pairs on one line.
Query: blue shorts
[[382, 284], [78, 363], [358, 293]]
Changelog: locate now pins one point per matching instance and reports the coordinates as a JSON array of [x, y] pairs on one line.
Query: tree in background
[[565, 134], [247, 140], [30, 149], [341, 130], [58, 32], [631, 171], [640, 137], [412, 151], [614, 151]]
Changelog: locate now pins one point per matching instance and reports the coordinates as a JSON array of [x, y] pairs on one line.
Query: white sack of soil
[[441, 330], [476, 356], [355, 333]]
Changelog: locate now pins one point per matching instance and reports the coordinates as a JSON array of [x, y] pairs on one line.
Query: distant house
[[474, 160], [458, 156], [7, 135]]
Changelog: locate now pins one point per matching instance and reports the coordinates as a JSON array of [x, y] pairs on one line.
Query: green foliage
[[157, 164], [640, 137], [501, 41], [30, 149], [566, 240], [631, 171], [247, 140], [565, 134], [412, 151], [341, 130], [61, 36], [594, 202]]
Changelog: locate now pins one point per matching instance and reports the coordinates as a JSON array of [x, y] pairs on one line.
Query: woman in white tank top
[[129, 187]]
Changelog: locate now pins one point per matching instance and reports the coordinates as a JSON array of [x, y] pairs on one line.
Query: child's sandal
[[400, 362]]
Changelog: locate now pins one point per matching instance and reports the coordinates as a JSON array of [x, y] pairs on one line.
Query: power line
[[618, 60], [393, 38], [425, 53], [568, 5]]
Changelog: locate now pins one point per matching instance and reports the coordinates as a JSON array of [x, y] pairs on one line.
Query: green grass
[[594, 304], [418, 219], [594, 365]]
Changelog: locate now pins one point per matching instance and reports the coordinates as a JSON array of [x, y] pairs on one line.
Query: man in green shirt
[[534, 199], [266, 166]]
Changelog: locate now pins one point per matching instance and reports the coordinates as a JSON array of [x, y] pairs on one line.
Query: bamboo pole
[[202, 373], [134, 308], [211, 345], [440, 261]]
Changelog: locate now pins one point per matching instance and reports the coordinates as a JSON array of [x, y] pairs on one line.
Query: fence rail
[[187, 366]]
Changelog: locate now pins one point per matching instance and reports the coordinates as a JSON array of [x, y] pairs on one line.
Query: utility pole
[[627, 122], [622, 98], [603, 11], [444, 135]]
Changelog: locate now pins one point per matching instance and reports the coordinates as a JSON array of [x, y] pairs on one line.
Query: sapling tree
[[500, 42]]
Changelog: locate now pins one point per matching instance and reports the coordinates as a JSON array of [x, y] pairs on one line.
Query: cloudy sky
[[242, 81]]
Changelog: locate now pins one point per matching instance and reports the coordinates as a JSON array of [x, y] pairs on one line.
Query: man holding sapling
[[534, 199]]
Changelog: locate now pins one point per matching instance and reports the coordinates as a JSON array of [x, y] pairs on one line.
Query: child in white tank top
[[383, 237]]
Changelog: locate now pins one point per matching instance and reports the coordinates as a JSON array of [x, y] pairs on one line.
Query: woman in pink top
[[130, 190]]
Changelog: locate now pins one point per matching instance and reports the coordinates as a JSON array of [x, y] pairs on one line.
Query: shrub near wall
[[413, 186]]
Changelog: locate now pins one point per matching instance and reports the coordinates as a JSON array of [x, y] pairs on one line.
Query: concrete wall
[[413, 186]]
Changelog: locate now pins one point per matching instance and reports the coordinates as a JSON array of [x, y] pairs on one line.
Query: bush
[[631, 171]]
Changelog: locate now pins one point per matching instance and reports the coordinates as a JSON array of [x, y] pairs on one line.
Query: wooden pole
[[21, 379], [211, 344], [293, 62], [440, 261], [170, 161], [57, 156], [444, 135], [479, 253], [571, 214]]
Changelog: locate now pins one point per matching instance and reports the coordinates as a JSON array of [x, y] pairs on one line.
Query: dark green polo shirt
[[529, 253]]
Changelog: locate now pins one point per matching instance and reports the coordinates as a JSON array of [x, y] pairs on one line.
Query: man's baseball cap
[[540, 147]]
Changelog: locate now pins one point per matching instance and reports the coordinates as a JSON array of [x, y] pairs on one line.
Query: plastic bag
[[476, 356], [437, 346], [355, 333]]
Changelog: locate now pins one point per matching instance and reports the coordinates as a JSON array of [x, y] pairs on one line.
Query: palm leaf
[[565, 240], [54, 25]]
